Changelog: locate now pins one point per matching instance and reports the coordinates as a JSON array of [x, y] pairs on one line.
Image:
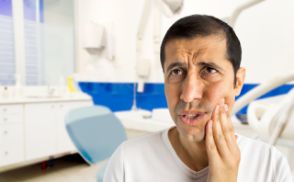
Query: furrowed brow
[[210, 64], [175, 64]]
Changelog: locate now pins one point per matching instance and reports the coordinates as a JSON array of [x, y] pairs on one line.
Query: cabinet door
[[40, 130], [64, 143], [11, 144]]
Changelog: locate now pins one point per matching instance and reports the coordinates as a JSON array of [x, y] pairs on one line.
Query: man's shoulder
[[245, 142], [256, 155], [257, 147], [145, 142]]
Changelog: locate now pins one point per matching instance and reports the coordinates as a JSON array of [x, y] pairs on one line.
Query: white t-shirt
[[151, 158]]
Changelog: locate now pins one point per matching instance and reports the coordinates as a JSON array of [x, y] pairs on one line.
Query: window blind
[[7, 55]]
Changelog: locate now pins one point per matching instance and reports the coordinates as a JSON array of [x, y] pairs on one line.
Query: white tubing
[[262, 89], [233, 18], [283, 115]]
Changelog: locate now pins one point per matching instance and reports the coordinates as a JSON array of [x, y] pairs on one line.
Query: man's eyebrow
[[210, 64], [175, 64]]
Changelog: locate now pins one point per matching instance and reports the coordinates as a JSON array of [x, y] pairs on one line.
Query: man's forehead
[[208, 47], [196, 43]]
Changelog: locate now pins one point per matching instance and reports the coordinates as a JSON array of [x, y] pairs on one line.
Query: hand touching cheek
[[222, 149]]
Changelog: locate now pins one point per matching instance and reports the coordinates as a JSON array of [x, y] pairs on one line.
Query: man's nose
[[192, 89]]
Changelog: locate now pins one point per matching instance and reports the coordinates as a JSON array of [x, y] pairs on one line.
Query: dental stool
[[96, 132]]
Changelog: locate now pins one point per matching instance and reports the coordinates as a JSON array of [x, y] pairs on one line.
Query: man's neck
[[193, 154]]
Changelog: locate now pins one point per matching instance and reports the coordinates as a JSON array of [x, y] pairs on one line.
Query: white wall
[[265, 32], [124, 19], [58, 40]]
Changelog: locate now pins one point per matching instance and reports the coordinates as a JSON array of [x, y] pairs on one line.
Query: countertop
[[41, 99]]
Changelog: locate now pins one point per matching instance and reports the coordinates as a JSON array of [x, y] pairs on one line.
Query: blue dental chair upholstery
[[96, 132]]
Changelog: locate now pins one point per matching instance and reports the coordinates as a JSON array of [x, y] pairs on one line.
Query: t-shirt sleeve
[[282, 169], [114, 171]]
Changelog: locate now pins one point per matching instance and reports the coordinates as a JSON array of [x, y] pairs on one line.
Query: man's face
[[198, 77]]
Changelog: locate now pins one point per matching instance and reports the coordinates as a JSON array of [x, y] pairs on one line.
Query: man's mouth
[[191, 118]]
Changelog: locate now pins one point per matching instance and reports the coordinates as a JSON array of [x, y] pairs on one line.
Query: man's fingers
[[227, 127], [218, 134], [221, 146], [210, 144]]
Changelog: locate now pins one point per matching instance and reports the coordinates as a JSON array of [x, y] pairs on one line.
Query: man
[[200, 57]]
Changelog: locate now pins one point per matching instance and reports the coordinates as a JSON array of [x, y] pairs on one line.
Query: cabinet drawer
[[8, 156], [11, 135], [8, 119], [12, 144], [10, 109]]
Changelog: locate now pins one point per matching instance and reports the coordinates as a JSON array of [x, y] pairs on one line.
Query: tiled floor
[[69, 169]]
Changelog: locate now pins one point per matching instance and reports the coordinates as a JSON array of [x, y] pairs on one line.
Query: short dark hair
[[204, 25]]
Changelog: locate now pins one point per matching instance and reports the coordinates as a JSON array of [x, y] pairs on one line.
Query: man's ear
[[240, 78]]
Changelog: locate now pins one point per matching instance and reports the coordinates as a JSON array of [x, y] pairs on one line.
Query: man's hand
[[222, 149]]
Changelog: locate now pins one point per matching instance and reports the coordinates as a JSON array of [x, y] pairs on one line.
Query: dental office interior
[[78, 77]]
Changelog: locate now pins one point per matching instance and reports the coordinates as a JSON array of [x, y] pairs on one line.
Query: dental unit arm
[[166, 7], [283, 116], [273, 120], [231, 20], [261, 90]]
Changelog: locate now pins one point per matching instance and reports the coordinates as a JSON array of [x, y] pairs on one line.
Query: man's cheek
[[171, 103], [227, 99], [217, 93], [220, 94]]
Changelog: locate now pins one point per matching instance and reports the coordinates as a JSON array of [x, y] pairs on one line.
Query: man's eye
[[177, 72], [176, 75], [210, 74], [209, 70]]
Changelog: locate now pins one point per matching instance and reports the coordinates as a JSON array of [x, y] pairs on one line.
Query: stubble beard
[[192, 136]]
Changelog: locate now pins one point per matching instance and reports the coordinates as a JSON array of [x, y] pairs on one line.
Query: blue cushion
[[95, 131]]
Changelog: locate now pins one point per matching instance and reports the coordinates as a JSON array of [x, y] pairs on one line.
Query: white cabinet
[[11, 134], [34, 130], [12, 145], [45, 128], [40, 130], [11, 114]]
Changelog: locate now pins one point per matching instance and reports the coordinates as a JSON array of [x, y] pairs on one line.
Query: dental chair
[[96, 132]]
